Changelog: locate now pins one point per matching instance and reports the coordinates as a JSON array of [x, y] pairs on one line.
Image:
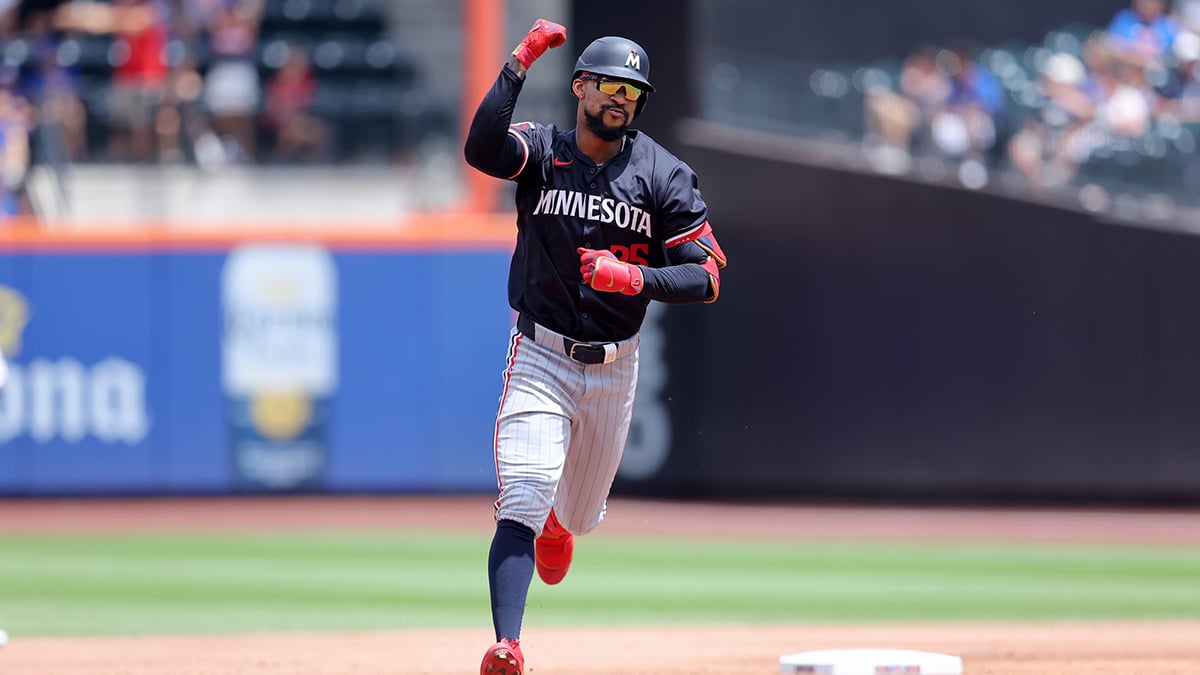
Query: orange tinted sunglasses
[[611, 87]]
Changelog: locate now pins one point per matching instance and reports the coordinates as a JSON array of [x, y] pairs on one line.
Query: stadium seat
[[16, 52], [358, 14], [273, 52], [842, 108], [329, 102], [92, 55], [1071, 37], [340, 55]]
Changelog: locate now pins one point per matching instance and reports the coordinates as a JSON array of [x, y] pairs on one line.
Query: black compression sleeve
[[489, 147], [678, 284]]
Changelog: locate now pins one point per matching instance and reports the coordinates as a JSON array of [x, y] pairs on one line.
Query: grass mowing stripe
[[900, 581], [123, 584]]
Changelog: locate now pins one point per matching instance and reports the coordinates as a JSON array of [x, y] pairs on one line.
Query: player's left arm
[[694, 258], [694, 274]]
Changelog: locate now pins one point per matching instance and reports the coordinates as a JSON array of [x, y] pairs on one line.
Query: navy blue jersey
[[644, 205]]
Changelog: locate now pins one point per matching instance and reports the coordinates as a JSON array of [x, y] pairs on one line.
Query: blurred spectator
[[966, 125], [1182, 94], [8, 17], [1051, 144], [231, 85], [897, 120], [946, 104], [181, 121], [1062, 78], [15, 121], [287, 120], [1125, 102], [27, 12], [192, 17], [1187, 14], [139, 76], [61, 125], [139, 80], [1142, 34]]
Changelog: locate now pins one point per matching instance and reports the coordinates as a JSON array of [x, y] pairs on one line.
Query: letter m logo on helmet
[[634, 60]]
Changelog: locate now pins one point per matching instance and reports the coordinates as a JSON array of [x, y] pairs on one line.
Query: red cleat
[[553, 550], [503, 658]]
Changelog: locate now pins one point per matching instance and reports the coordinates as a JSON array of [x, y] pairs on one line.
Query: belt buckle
[[607, 353], [572, 352]]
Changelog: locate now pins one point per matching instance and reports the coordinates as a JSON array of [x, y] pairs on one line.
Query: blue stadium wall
[[120, 374]]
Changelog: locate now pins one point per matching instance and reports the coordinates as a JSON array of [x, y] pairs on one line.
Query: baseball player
[[607, 220]]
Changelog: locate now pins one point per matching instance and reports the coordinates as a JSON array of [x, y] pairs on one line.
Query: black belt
[[583, 352]]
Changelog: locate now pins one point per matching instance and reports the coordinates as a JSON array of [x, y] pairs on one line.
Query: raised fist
[[542, 36], [602, 271]]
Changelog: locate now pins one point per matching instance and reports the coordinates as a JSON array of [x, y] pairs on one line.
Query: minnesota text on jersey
[[595, 208]]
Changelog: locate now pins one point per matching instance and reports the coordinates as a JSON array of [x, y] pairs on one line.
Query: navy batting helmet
[[617, 57]]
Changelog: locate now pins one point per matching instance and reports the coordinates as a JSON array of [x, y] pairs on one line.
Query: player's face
[[608, 115]]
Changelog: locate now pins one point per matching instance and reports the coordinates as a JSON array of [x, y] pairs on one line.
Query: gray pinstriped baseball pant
[[560, 431]]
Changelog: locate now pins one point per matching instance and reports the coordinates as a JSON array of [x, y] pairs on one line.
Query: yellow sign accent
[[14, 315], [280, 416]]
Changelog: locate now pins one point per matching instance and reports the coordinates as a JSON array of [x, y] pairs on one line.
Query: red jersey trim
[[691, 235], [524, 149]]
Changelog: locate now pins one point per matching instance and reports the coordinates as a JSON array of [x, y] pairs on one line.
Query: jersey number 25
[[634, 253]]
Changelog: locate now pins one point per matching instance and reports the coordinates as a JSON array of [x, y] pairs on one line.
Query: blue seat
[[339, 54]]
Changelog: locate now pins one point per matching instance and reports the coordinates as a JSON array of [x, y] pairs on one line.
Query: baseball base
[[871, 662]]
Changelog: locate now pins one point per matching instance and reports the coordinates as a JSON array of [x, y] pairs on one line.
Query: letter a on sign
[[633, 60]]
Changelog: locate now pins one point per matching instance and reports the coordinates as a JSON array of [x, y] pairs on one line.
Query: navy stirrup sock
[[510, 571]]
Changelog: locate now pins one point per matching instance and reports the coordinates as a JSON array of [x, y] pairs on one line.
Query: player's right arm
[[490, 147]]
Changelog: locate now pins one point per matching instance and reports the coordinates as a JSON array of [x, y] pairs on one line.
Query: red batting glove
[[604, 272], [544, 34]]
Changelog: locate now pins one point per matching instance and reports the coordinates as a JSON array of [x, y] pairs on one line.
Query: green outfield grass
[[134, 584]]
